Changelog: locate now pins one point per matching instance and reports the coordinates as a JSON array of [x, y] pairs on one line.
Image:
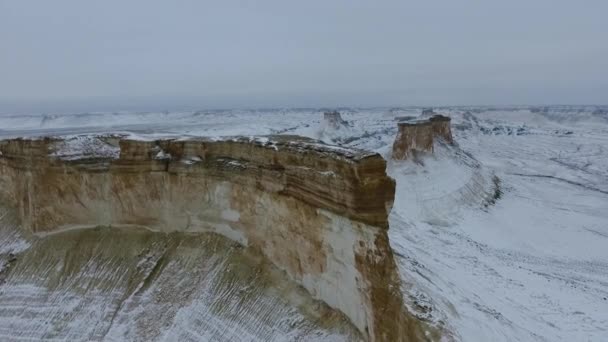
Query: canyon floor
[[503, 237]]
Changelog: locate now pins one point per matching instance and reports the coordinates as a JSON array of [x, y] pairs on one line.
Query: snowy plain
[[503, 237]]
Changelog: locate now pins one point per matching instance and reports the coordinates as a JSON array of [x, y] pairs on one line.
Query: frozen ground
[[501, 238], [110, 284]]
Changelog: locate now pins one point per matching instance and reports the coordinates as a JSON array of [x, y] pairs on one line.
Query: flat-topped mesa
[[333, 119], [417, 136], [441, 128], [318, 212]]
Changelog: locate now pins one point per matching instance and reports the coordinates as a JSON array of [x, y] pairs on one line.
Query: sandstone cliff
[[333, 119], [417, 136], [318, 212]]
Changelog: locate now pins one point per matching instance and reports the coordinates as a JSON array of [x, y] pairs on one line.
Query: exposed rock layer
[[333, 119], [109, 284], [317, 212], [441, 128], [418, 136]]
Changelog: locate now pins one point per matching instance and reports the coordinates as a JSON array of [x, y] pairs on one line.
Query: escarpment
[[318, 212], [441, 127], [415, 136], [333, 119]]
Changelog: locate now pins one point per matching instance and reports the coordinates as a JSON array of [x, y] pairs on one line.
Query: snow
[[528, 263], [162, 155], [135, 285], [532, 267], [79, 146]]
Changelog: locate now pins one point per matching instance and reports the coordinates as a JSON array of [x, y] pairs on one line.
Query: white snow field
[[502, 237]]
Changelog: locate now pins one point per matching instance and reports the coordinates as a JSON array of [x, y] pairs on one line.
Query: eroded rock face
[[417, 136], [441, 128], [109, 284], [333, 119], [318, 212], [412, 137]]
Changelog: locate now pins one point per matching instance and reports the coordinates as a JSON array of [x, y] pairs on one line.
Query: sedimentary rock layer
[[333, 119], [318, 212], [417, 136], [441, 128], [109, 284]]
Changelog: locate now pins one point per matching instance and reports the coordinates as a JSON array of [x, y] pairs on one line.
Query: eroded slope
[[317, 212]]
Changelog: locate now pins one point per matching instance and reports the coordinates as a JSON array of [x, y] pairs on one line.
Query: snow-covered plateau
[[501, 236]]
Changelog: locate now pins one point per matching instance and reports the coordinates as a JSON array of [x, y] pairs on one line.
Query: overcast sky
[[109, 55]]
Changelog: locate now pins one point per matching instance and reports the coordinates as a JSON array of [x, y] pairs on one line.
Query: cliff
[[318, 212], [418, 136], [440, 125], [333, 119]]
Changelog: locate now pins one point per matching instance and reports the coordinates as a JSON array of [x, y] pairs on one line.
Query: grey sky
[[106, 55]]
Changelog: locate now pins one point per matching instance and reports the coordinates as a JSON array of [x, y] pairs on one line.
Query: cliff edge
[[417, 136], [318, 212]]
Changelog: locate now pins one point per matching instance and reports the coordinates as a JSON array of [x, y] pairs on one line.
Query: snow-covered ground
[[503, 237]]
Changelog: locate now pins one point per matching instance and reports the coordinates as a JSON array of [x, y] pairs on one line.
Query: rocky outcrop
[[441, 128], [318, 212], [333, 119], [417, 136]]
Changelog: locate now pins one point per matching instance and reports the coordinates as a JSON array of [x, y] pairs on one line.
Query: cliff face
[[318, 212], [333, 119], [441, 128], [108, 284], [418, 136]]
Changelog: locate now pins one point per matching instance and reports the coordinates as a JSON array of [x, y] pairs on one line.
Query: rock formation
[[417, 136], [441, 128], [333, 119], [318, 212]]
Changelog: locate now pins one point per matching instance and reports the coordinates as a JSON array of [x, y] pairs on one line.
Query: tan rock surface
[[441, 128], [333, 119], [418, 136], [318, 212]]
